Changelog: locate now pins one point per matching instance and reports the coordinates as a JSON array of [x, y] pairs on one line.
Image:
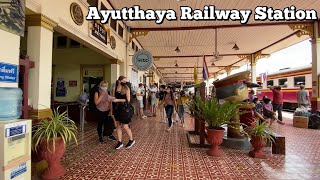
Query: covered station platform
[[60, 55]]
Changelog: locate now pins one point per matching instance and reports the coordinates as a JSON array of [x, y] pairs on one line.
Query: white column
[[315, 102], [115, 72], [9, 52], [40, 51], [253, 69]]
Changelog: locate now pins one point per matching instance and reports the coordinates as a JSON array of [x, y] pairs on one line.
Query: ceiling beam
[[219, 27], [194, 56], [287, 37], [162, 68]]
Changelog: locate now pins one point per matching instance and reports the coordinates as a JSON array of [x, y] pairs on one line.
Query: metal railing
[[82, 111]]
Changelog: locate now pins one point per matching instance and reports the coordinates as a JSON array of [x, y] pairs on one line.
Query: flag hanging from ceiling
[[205, 71], [264, 77], [195, 75]]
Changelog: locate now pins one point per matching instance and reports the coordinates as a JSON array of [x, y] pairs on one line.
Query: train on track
[[290, 80]]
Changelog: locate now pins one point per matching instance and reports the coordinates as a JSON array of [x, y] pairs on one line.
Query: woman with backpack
[[123, 112], [103, 102]]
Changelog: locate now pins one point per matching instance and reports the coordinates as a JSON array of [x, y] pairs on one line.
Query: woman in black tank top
[[122, 91]]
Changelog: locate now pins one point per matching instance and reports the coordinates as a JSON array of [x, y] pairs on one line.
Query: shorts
[[153, 101], [140, 104]]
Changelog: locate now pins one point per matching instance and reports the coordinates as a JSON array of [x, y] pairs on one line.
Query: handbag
[[126, 111]]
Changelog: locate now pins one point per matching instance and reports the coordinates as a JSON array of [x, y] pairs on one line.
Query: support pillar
[[253, 64], [40, 40], [228, 70], [315, 101], [115, 71]]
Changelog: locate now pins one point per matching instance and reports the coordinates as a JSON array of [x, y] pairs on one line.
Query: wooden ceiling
[[196, 39]]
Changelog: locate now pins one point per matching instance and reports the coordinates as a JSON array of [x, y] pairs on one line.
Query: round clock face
[[76, 13], [113, 42]]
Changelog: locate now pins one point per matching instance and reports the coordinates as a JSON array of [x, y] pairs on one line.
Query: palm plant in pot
[[50, 138], [259, 136], [216, 115]]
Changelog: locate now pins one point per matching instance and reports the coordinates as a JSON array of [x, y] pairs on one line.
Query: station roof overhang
[[196, 39]]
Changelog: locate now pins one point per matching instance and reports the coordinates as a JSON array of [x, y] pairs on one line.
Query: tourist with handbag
[[123, 112], [103, 102]]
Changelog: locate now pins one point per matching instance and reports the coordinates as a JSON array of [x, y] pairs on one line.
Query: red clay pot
[[258, 144], [55, 169], [215, 139]]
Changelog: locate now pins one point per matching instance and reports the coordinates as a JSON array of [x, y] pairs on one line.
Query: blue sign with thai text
[[8, 73]]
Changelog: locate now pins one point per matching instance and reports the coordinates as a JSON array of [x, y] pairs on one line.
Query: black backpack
[[92, 105], [314, 121]]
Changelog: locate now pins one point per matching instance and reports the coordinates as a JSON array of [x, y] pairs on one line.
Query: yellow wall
[[9, 51], [67, 66]]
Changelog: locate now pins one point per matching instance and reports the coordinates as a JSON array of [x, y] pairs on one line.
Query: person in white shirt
[[140, 94], [153, 91]]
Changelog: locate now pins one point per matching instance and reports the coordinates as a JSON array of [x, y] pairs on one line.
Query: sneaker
[[112, 138], [280, 122], [130, 144], [101, 140], [169, 129], [119, 145], [144, 117]]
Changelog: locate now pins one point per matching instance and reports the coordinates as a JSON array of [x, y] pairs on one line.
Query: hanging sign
[[8, 73], [142, 60]]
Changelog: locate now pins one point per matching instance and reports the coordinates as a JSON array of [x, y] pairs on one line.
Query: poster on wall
[[134, 78], [12, 16], [8, 73], [60, 89], [73, 83]]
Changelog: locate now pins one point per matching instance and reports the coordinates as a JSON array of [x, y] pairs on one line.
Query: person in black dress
[[122, 91]]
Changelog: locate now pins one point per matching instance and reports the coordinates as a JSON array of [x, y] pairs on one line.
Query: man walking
[[140, 94], [303, 97], [277, 102]]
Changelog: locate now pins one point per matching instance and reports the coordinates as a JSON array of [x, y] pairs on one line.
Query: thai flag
[[264, 77], [205, 71]]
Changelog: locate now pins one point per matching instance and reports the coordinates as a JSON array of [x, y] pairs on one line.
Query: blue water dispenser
[[10, 103]]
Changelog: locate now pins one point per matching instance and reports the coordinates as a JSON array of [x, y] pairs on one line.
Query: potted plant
[[215, 115], [259, 135], [50, 138]]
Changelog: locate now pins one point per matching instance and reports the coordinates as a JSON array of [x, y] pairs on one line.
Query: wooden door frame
[[27, 64]]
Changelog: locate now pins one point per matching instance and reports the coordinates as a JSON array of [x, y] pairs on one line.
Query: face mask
[[258, 102], [103, 88], [123, 83]]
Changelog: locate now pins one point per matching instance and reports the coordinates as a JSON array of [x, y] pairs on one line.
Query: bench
[[279, 144]]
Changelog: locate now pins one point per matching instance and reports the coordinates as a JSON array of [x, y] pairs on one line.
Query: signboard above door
[[92, 72], [99, 32]]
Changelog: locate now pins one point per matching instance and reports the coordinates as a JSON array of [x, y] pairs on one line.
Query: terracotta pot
[[258, 144], [215, 138], [55, 169]]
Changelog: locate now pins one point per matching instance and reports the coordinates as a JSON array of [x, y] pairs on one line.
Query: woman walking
[[122, 91], [170, 106], [103, 102], [182, 102]]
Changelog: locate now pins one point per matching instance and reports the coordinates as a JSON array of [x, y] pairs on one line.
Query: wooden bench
[[279, 144]]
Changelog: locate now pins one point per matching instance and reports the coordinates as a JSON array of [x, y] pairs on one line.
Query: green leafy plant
[[58, 125], [213, 113], [262, 130]]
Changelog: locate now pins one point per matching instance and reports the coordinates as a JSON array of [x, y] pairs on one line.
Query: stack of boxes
[[301, 118], [15, 150]]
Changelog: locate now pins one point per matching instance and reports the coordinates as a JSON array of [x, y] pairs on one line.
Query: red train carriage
[[290, 81]]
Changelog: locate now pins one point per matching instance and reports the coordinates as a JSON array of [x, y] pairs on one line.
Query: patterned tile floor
[[159, 154]]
